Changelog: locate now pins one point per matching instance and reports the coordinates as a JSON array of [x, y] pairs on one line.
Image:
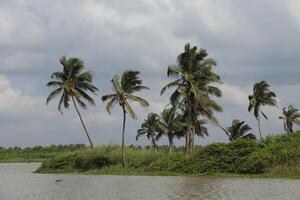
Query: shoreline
[[128, 172]]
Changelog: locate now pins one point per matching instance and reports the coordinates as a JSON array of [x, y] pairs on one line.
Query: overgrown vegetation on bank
[[37, 153], [275, 155]]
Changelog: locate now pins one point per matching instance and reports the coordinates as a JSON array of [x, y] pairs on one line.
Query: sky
[[250, 40]]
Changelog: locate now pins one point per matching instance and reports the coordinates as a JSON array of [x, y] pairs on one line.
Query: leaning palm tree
[[150, 128], [238, 130], [124, 89], [290, 117], [262, 96], [73, 84], [194, 77]]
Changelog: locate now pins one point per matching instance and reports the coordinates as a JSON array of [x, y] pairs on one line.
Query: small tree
[[290, 116]]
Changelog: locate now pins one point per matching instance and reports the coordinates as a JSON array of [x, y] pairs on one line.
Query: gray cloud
[[251, 41]]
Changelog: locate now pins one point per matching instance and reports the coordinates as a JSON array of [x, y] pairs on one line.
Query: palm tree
[[169, 124], [290, 116], [124, 89], [73, 84], [262, 96], [198, 122], [150, 128], [238, 130], [194, 76]]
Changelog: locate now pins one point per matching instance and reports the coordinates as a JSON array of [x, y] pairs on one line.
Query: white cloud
[[234, 95], [15, 103]]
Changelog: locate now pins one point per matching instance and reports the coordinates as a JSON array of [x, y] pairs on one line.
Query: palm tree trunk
[[188, 131], [259, 128], [154, 143], [123, 136], [86, 132], [170, 143], [192, 138]]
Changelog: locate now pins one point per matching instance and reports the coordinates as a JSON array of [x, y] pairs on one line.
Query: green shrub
[[59, 162], [91, 160], [256, 162]]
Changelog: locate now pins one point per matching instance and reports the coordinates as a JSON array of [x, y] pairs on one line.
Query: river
[[17, 182]]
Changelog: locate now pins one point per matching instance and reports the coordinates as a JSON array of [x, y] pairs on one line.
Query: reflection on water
[[18, 183]]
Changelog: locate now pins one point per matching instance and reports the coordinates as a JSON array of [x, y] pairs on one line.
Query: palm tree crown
[[151, 127], [72, 84], [123, 92], [290, 116], [238, 130]]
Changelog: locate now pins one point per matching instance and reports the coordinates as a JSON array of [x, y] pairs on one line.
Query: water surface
[[17, 182]]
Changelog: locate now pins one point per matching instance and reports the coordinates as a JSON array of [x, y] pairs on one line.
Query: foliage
[[238, 130]]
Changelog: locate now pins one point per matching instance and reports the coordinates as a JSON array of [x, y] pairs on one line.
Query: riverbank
[[274, 157], [285, 173]]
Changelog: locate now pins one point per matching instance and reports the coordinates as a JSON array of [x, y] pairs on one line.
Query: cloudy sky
[[251, 41]]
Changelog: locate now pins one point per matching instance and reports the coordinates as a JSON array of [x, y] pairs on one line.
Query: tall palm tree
[[124, 89], [194, 76], [238, 130], [150, 128], [290, 116], [262, 96], [73, 84]]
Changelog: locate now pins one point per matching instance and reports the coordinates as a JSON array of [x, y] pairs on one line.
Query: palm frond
[[53, 94]]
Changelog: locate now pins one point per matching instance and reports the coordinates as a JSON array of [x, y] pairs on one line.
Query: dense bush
[[90, 160]]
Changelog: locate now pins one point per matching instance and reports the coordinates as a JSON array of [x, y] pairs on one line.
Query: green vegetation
[[238, 130], [274, 156], [35, 154]]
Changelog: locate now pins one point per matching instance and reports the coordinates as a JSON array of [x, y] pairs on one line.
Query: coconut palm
[[290, 116], [194, 76], [73, 84], [238, 130], [169, 124], [124, 89], [262, 96], [150, 128], [198, 122]]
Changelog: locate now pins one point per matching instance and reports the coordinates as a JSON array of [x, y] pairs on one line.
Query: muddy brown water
[[17, 182]]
